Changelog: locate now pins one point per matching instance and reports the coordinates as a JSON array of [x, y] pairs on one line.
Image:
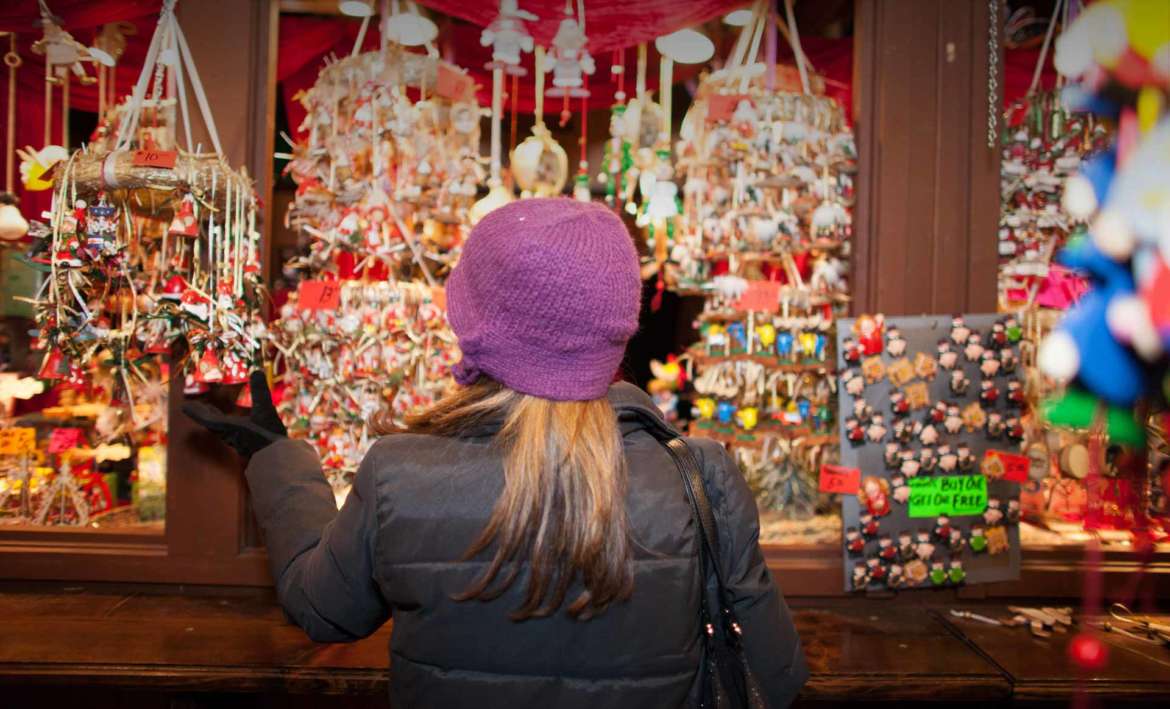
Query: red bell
[[184, 223], [175, 287], [54, 365], [207, 369], [192, 386], [244, 400]]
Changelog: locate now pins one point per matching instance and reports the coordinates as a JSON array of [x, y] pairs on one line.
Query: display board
[[930, 413]]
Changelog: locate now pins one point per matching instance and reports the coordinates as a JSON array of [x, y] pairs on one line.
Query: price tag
[[155, 158], [1006, 466], [62, 439], [17, 440], [953, 495], [838, 479], [760, 296], [318, 295], [453, 84], [720, 107], [439, 297]]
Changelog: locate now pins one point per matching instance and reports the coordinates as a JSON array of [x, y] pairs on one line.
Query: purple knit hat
[[544, 298]]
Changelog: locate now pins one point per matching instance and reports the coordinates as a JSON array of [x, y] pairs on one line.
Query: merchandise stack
[[763, 235], [386, 175]]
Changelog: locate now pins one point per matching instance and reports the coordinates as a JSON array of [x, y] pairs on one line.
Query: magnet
[[1015, 394], [877, 572], [873, 369], [900, 372], [954, 420], [868, 329], [887, 552], [966, 461], [995, 425], [997, 339], [876, 430], [854, 433], [974, 348], [862, 411], [860, 576], [854, 544], [1013, 512], [909, 465], [947, 461], [937, 414], [989, 364], [948, 357], [874, 495], [1008, 361], [870, 527], [896, 577], [850, 351], [1014, 429], [956, 541], [974, 417], [900, 491], [988, 392], [957, 575], [923, 548], [905, 546], [978, 541], [960, 383], [938, 573], [1011, 328], [942, 530], [959, 330], [891, 456], [927, 460], [928, 434], [895, 343], [854, 382], [993, 515], [925, 366]]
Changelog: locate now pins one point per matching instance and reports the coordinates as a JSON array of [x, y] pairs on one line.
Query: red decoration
[[1087, 651]]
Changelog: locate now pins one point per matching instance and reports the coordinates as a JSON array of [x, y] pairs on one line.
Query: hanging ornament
[[507, 34], [539, 164]]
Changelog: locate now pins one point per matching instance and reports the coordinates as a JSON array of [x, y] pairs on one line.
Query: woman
[[530, 535]]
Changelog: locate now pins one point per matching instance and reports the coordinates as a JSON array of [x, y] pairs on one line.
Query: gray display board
[[986, 545]]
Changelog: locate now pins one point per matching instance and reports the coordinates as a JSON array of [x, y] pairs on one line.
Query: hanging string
[[12, 61], [797, 49], [583, 165], [640, 76], [539, 104], [1056, 13], [513, 99]]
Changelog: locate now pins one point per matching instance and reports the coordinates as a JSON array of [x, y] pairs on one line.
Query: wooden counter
[[219, 650]]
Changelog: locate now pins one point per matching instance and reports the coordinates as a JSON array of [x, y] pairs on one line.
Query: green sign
[[953, 495]]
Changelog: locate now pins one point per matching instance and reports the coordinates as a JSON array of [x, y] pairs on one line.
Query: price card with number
[[318, 295], [155, 158], [760, 296], [840, 480], [1006, 466], [17, 440]]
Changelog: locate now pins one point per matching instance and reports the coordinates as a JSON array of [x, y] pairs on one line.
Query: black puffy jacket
[[417, 504]]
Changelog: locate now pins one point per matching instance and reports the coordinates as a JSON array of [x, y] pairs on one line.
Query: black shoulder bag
[[727, 681]]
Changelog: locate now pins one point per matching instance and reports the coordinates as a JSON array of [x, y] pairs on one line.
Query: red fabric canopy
[[609, 24]]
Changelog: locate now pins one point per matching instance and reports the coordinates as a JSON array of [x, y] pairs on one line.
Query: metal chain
[[992, 73]]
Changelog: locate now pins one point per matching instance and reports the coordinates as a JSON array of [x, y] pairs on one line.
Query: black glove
[[247, 434]]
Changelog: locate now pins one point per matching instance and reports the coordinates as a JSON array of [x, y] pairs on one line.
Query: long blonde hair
[[562, 509]]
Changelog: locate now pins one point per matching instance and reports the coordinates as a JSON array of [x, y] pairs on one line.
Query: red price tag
[[318, 295], [62, 439], [720, 107], [760, 296], [837, 479], [452, 84], [1015, 467], [155, 158]]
